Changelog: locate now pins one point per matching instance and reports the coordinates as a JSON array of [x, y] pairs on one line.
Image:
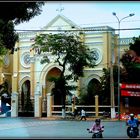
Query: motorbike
[[96, 134], [132, 132]]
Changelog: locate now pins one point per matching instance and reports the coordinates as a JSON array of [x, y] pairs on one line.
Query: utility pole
[[119, 22], [113, 114]]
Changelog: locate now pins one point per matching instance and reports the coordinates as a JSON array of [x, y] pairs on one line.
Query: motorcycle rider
[[133, 122], [97, 126]]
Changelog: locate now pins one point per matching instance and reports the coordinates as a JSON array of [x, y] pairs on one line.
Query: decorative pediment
[[60, 22]]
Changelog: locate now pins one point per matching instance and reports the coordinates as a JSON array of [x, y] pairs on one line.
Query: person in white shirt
[[83, 114]]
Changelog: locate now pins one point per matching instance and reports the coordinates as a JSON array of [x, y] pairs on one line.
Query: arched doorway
[[93, 89], [26, 104], [53, 73]]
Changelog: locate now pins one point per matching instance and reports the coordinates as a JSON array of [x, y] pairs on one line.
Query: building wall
[[25, 63]]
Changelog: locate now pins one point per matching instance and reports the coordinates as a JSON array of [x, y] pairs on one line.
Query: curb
[[71, 119]]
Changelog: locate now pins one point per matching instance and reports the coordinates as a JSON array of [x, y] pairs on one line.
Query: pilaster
[[44, 99], [37, 101], [15, 69], [1, 75], [32, 73]]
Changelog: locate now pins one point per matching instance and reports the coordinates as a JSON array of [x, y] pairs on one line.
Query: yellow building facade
[[24, 72]]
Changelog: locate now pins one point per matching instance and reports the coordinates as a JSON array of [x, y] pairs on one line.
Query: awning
[[130, 93]]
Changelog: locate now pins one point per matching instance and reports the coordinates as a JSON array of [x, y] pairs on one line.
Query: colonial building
[[26, 75]]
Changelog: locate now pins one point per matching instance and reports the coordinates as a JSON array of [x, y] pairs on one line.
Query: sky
[[90, 13]]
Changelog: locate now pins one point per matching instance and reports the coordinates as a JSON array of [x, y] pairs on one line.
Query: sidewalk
[[67, 118]]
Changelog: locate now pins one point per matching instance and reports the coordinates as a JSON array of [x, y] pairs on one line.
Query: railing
[[91, 110]]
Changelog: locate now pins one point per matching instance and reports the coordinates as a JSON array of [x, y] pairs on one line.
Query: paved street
[[43, 128]]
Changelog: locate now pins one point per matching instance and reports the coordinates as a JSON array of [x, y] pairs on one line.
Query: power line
[[106, 22], [34, 30], [97, 23]]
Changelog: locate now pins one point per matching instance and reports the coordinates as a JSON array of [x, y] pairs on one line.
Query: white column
[[37, 101], [14, 105], [44, 104], [44, 100], [49, 113], [113, 113]]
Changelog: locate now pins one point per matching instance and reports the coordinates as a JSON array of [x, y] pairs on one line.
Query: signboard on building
[[130, 93], [130, 90]]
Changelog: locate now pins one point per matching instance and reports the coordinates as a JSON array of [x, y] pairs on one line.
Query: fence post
[[73, 103], [49, 105], [37, 106], [14, 105], [96, 106]]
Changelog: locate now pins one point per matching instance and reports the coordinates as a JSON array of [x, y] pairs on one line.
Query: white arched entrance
[[49, 70]]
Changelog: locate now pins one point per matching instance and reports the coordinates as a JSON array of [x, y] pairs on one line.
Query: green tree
[[87, 95], [11, 14], [4, 88], [8, 37], [135, 45], [105, 92], [19, 11], [131, 62], [70, 53]]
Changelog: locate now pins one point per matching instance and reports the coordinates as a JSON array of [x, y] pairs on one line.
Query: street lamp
[[119, 22]]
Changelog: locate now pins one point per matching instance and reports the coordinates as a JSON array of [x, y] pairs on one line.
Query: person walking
[[83, 114]]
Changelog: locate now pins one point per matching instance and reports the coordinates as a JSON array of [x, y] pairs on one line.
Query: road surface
[[41, 128]]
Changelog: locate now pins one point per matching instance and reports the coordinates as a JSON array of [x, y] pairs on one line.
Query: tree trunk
[[63, 107]]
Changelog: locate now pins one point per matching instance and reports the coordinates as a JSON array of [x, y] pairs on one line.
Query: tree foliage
[[19, 11], [8, 37], [131, 62], [105, 92], [69, 52], [87, 94], [135, 45], [105, 82], [4, 88], [12, 13]]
